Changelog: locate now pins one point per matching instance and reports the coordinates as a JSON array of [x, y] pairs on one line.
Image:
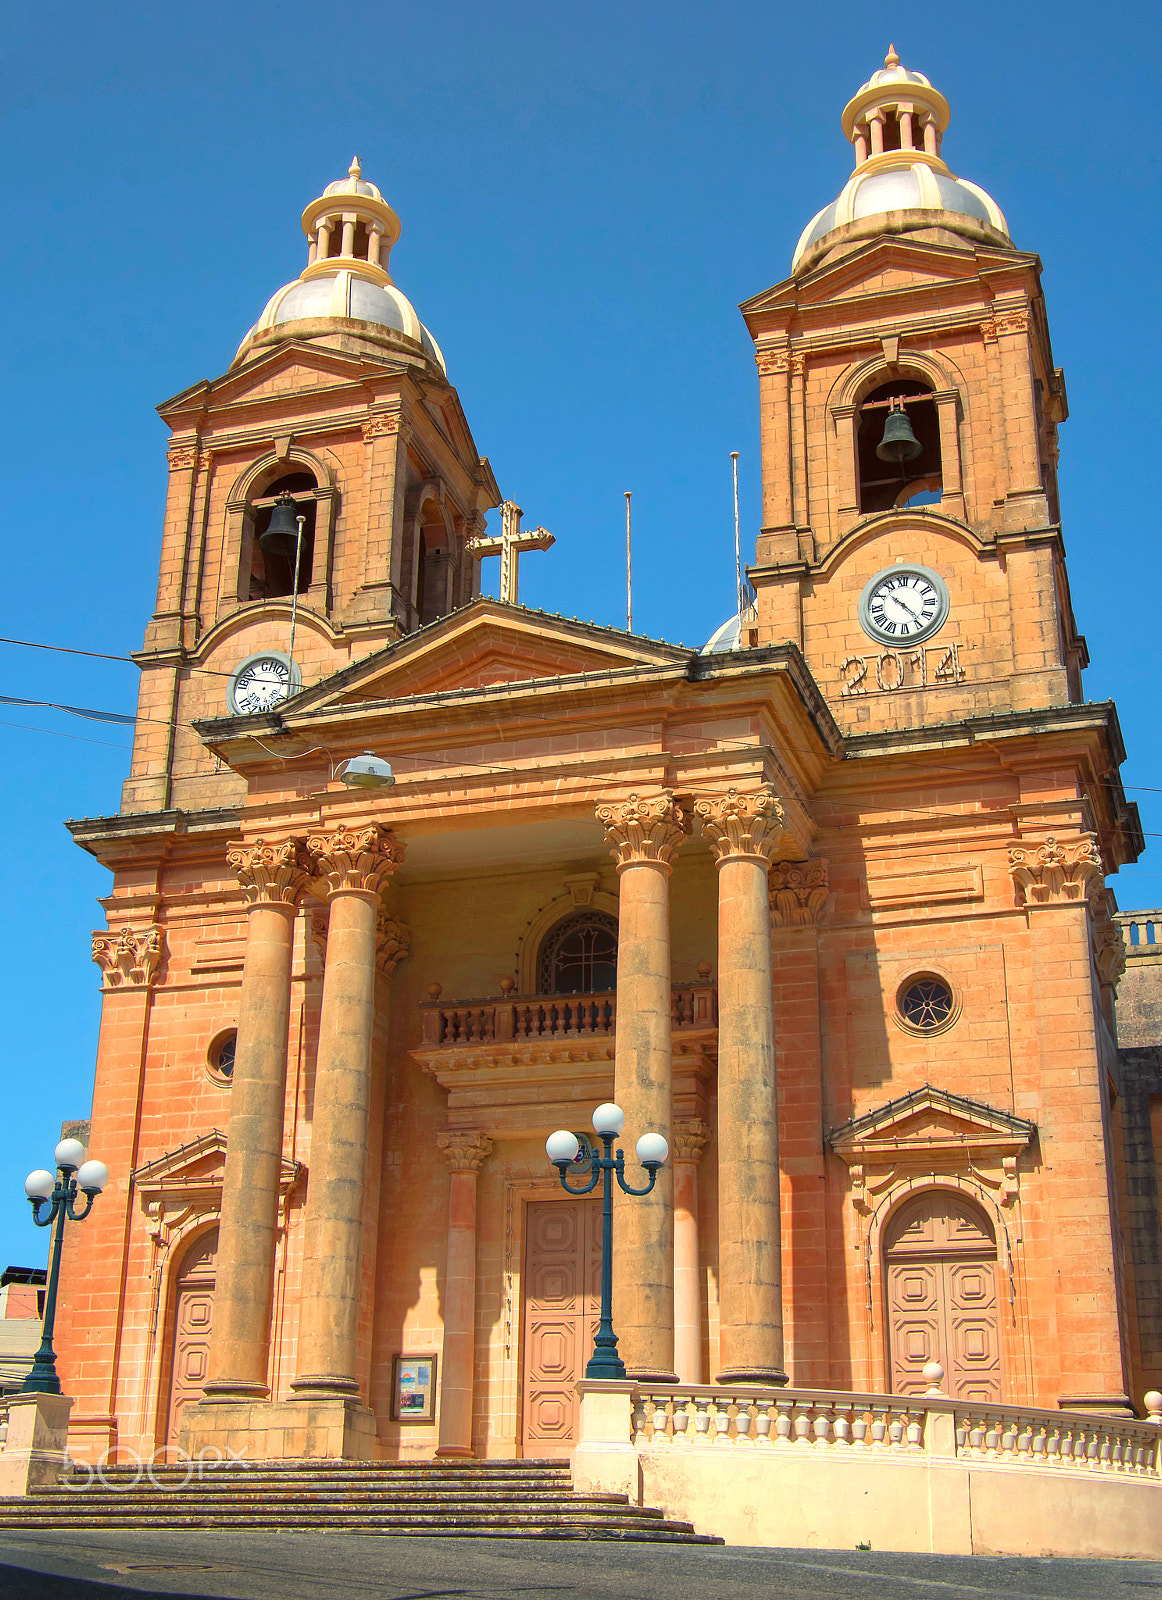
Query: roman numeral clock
[[905, 604]]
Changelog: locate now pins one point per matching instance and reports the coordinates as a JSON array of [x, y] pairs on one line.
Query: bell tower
[[909, 408], [327, 484]]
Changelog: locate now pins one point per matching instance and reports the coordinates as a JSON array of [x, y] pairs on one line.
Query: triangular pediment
[[927, 1121], [195, 1166], [294, 367], [488, 642]]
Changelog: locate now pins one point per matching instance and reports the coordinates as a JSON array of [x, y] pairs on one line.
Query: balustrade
[[894, 1426], [553, 1016]]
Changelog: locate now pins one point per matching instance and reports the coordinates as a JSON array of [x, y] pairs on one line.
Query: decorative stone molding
[[376, 427], [798, 893], [1109, 953], [318, 929], [182, 457], [1013, 322], [465, 1150], [742, 825], [185, 1185], [271, 874], [581, 885], [354, 859], [644, 830], [129, 960], [935, 1134], [691, 1135], [392, 942], [1054, 873], [988, 330], [775, 361]]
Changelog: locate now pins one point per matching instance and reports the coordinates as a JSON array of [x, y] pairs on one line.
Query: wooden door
[[940, 1261], [192, 1319], [562, 1304]]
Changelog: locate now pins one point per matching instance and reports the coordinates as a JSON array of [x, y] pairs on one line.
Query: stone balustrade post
[[743, 831], [273, 878], [352, 866], [645, 835], [465, 1153], [690, 1136]]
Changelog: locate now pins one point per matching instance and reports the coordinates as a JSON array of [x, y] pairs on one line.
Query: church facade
[[825, 904]]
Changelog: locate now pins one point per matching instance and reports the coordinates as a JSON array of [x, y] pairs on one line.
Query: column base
[[234, 1389], [760, 1377], [455, 1452], [659, 1375], [325, 1386], [33, 1456], [315, 1428]]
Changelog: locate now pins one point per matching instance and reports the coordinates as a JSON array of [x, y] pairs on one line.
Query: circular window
[[220, 1056], [925, 1003]]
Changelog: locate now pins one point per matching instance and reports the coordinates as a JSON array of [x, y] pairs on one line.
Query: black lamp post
[[60, 1195], [652, 1150]]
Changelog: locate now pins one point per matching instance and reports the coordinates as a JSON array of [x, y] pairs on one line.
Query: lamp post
[[60, 1195], [652, 1150]]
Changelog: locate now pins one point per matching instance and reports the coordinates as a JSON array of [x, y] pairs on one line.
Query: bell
[[282, 534], [899, 443]]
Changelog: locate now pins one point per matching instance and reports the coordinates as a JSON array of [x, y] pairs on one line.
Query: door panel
[[941, 1285], [562, 1282], [192, 1324]]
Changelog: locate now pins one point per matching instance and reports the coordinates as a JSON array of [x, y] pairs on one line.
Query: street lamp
[[60, 1195], [652, 1150]]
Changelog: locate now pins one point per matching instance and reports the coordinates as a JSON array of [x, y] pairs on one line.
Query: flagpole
[[628, 570]]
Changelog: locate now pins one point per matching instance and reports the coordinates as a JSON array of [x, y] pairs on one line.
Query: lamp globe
[[69, 1153], [93, 1177], [39, 1185], [609, 1119], [562, 1145], [652, 1149]]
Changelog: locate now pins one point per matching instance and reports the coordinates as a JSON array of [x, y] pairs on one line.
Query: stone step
[[225, 1506]]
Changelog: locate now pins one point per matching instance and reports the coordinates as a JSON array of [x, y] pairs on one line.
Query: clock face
[[262, 682], [904, 605]]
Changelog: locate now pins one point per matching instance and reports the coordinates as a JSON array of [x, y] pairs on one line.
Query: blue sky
[[586, 194]]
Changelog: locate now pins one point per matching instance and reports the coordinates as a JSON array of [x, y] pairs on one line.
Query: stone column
[[353, 864], [690, 1136], [465, 1152], [273, 878], [645, 835], [743, 830]]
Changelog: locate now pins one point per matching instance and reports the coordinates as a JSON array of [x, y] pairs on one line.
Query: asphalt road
[[287, 1566]]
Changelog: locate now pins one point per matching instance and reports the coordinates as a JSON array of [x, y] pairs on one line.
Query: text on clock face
[[261, 685], [903, 605]]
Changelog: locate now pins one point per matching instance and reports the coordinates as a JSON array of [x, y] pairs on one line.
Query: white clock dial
[[262, 682], [904, 605]]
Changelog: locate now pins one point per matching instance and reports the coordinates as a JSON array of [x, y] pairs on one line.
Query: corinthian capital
[[798, 893], [355, 858], [392, 942], [465, 1150], [644, 830], [690, 1138], [742, 825], [129, 960], [271, 874], [1054, 873]]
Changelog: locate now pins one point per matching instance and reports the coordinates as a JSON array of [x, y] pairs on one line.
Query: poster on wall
[[413, 1388]]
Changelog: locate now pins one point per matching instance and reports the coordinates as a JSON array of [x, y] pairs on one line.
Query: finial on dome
[[891, 59], [355, 170]]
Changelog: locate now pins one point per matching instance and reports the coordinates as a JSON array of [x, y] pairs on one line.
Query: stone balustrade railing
[[553, 1016], [896, 1425]]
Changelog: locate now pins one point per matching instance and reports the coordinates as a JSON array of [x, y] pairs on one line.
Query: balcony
[[523, 1062]]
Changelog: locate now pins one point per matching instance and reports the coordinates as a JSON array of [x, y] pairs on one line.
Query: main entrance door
[[562, 1304], [940, 1260], [193, 1314]]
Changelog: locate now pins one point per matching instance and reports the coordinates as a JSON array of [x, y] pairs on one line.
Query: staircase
[[472, 1499]]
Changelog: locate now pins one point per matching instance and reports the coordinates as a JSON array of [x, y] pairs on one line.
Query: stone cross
[[508, 545]]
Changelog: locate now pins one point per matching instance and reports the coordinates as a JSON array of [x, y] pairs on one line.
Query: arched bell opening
[[898, 443], [272, 562], [433, 564]]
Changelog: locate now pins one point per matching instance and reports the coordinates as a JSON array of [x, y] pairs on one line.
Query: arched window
[[884, 484], [579, 955], [272, 571]]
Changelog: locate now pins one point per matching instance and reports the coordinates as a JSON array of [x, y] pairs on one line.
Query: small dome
[[353, 183], [729, 636], [893, 72], [351, 297]]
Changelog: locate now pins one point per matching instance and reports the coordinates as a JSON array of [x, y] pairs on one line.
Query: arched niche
[[310, 482]]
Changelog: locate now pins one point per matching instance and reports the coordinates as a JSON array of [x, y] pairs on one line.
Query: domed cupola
[[896, 123], [344, 295]]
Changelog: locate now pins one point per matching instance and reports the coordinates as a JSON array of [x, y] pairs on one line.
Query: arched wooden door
[[940, 1272], [193, 1314], [562, 1306]]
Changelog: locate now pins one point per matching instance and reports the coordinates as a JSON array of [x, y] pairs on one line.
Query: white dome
[[350, 297], [903, 181]]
